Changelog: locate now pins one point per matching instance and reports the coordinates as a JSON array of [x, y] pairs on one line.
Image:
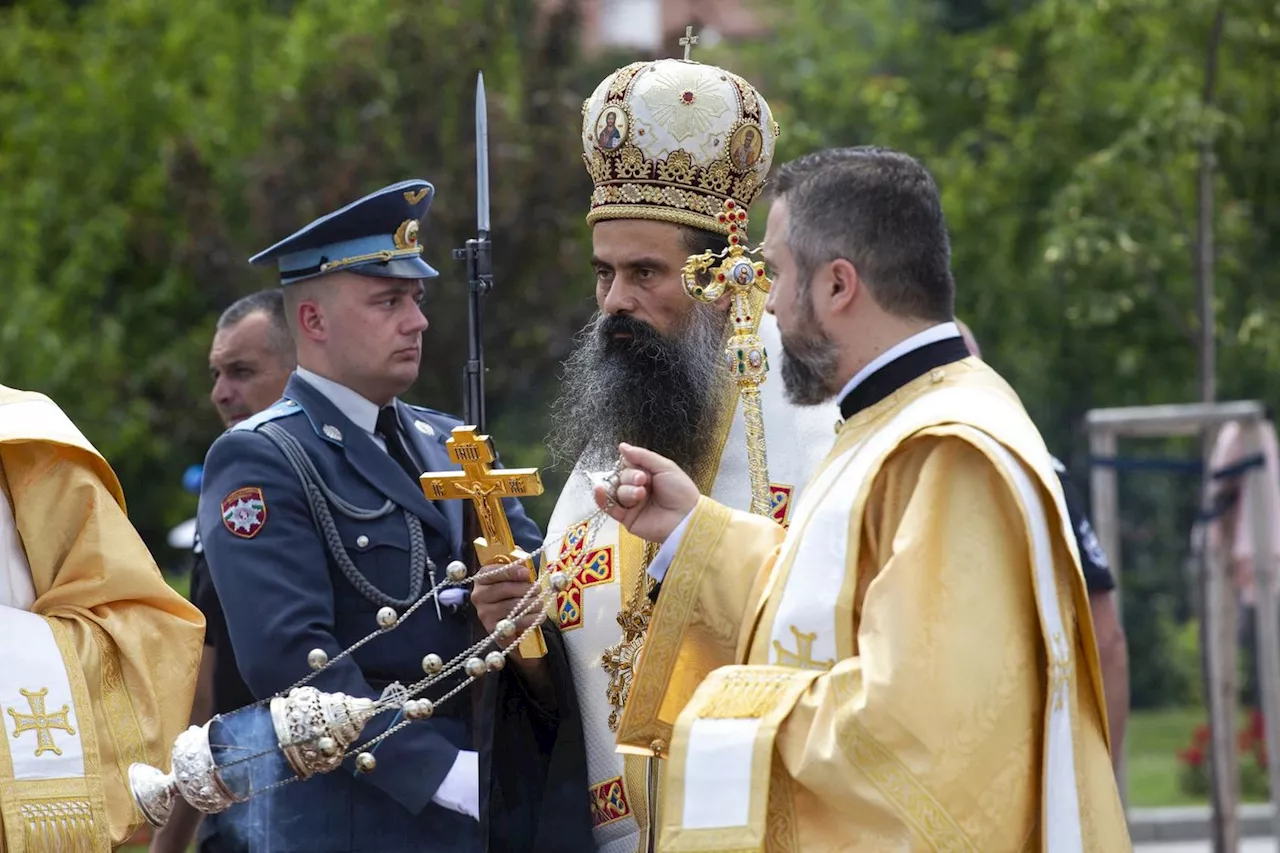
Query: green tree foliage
[[1064, 137], [148, 148]]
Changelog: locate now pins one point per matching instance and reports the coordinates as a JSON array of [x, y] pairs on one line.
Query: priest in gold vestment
[[911, 665], [650, 368], [98, 656]]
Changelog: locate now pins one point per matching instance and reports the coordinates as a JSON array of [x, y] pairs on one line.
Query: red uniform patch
[[244, 511]]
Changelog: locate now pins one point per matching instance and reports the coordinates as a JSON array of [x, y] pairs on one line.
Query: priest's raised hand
[[653, 495]]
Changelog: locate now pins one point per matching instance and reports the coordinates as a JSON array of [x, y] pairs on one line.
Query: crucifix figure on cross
[[688, 41], [485, 487]]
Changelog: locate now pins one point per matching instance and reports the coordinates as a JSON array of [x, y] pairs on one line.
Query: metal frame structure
[[1105, 428]]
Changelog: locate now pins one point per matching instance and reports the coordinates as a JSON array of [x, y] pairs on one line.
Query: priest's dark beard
[[651, 390], [809, 362]]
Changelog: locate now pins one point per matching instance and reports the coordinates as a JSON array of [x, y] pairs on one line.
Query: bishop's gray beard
[[657, 392]]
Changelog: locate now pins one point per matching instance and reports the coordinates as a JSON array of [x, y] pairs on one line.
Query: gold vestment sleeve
[[697, 624], [128, 640]]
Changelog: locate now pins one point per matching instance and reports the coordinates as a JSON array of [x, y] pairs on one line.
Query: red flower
[[1192, 755]]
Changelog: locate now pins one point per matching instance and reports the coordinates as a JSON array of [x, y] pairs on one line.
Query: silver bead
[[317, 659], [475, 667], [432, 664], [418, 709], [386, 617], [328, 746], [365, 762], [559, 581], [506, 629], [495, 661], [362, 541], [456, 571]]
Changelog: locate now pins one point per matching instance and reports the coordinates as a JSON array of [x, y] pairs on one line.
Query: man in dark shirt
[[1113, 653], [250, 360], [226, 690]]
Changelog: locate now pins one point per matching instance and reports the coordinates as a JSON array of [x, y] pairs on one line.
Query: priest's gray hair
[[878, 209]]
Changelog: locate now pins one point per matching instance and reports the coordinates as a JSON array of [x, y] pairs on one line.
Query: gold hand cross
[[485, 487]]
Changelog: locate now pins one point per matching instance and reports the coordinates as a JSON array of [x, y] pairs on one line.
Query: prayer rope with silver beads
[[535, 599]]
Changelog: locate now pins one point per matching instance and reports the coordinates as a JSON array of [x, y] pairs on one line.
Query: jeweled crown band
[[656, 213], [672, 190]]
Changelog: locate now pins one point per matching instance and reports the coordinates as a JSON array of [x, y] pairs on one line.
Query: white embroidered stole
[[588, 617], [44, 795]]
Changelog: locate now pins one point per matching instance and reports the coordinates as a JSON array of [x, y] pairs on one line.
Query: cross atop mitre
[[688, 41], [486, 486]]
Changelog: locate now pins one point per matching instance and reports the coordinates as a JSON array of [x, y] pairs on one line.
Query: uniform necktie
[[388, 427]]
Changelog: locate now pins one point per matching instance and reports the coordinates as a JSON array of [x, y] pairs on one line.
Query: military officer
[[313, 520]]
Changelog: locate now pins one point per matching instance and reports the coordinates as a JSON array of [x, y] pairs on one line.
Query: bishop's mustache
[[624, 332], [626, 381]]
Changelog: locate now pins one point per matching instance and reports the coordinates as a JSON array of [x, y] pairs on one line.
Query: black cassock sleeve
[[534, 763]]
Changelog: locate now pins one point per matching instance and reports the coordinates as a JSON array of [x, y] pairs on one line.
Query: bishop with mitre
[[650, 368], [911, 665]]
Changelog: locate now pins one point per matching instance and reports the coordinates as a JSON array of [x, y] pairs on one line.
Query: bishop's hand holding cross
[[485, 487]]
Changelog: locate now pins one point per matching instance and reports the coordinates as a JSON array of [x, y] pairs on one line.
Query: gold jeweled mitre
[[673, 139]]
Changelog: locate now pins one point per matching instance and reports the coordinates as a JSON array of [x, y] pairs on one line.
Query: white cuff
[[662, 560], [460, 790]]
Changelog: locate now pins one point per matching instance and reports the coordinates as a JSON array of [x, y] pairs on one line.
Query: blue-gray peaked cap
[[377, 235]]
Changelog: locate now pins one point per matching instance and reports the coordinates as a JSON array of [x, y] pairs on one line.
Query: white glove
[[460, 790]]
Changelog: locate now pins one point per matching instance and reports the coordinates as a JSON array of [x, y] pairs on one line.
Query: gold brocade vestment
[[98, 656], [911, 666]]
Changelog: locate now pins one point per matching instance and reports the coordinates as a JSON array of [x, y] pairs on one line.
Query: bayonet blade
[[482, 158]]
